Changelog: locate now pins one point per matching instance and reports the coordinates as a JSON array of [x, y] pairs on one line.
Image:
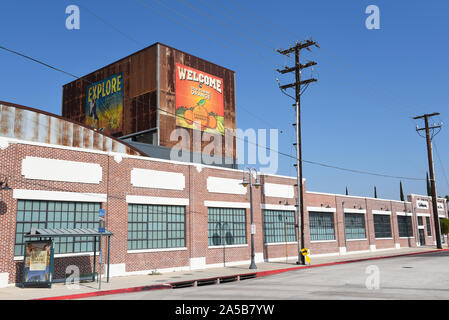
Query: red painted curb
[[258, 274], [108, 292], [271, 272]]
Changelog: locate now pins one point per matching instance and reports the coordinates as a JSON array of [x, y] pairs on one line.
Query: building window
[[279, 226], [382, 226], [355, 226], [155, 226], [405, 226], [441, 234], [321, 226], [226, 226], [56, 215], [420, 223], [429, 231]]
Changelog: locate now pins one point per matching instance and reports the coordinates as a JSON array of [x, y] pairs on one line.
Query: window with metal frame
[[156, 226], [405, 226], [226, 226], [54, 215], [321, 226], [355, 226], [382, 226], [429, 230], [279, 226], [420, 221]]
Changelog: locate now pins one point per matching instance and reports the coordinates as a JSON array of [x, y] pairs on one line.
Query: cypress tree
[[347, 191], [401, 191], [375, 192]]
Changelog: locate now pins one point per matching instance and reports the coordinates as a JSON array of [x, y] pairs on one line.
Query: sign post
[[101, 229]]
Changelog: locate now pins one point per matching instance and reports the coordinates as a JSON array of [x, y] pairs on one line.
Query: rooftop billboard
[[199, 100], [104, 104]]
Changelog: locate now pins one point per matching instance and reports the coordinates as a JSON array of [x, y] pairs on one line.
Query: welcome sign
[[199, 100]]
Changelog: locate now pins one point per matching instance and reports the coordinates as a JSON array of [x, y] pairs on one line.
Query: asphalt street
[[421, 277]]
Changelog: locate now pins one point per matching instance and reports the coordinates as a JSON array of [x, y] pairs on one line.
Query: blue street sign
[[101, 225], [101, 213]]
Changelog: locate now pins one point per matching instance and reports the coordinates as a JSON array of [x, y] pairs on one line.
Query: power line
[[441, 164], [111, 25], [236, 46], [282, 32], [256, 144], [182, 15], [225, 25], [140, 43], [298, 92], [431, 171], [38, 61], [305, 87], [232, 16]]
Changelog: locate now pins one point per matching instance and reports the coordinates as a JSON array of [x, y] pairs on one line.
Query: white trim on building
[[226, 204], [27, 194], [157, 200], [321, 209], [266, 206]]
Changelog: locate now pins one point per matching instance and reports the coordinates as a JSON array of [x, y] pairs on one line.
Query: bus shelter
[[42, 234]]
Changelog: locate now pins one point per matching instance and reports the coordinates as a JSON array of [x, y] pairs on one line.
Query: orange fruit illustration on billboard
[[188, 116], [212, 121]]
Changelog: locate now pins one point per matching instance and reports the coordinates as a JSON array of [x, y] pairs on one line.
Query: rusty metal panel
[[139, 78], [7, 121], [140, 91], [88, 139], [77, 136], [19, 126], [97, 141], [168, 59], [33, 125]]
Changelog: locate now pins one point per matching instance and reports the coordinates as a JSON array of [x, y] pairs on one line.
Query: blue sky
[[358, 114]]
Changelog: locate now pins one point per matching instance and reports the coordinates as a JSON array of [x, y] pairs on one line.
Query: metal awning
[[76, 232], [52, 233]]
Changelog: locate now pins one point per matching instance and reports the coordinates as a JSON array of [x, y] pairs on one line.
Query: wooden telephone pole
[[432, 175], [297, 85]]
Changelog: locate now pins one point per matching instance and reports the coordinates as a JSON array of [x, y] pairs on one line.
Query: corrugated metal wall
[[31, 125], [139, 92]]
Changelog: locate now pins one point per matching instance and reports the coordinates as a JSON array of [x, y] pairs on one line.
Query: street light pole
[[253, 229], [253, 264]]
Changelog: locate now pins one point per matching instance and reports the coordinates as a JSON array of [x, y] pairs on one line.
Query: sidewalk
[[193, 277]]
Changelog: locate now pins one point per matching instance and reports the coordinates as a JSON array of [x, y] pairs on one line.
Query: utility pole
[[432, 175], [297, 85]]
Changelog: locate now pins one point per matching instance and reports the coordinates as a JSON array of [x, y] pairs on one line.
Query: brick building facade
[[167, 215]]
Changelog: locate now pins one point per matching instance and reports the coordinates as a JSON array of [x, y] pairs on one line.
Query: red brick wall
[[116, 183]]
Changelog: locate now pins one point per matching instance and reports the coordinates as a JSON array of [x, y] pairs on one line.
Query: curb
[[171, 285], [108, 292], [271, 272]]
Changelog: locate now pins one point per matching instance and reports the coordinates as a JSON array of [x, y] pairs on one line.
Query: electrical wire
[[140, 43], [110, 25], [283, 91], [441, 164], [254, 40], [281, 32], [173, 114], [236, 46]]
